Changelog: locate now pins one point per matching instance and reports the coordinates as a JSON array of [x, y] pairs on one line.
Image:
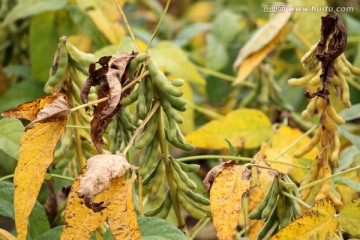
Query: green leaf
[[38, 222], [352, 113], [11, 131], [216, 57], [346, 158], [43, 45], [152, 228], [28, 8], [246, 128], [21, 92], [350, 218], [347, 182], [354, 139], [225, 26], [173, 59], [52, 234], [189, 32]]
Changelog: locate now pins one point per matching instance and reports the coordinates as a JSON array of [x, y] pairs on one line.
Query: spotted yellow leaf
[[350, 218]]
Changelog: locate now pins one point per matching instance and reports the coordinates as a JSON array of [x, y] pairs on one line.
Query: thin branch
[[127, 24], [138, 130], [159, 24], [6, 177]]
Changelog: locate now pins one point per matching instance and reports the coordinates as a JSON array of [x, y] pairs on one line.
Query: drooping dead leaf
[[101, 170], [283, 136], [211, 175], [318, 222], [261, 44], [115, 205], [49, 117], [350, 218], [244, 128], [110, 76], [226, 195]]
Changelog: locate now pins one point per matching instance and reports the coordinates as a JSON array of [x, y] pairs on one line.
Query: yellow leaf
[[105, 16], [36, 151], [350, 218], [246, 128], [261, 177], [281, 139], [318, 222], [5, 235], [261, 44], [170, 57], [226, 194], [200, 11], [81, 221], [121, 213]]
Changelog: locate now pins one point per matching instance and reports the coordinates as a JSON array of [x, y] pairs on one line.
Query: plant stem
[[205, 111], [77, 126], [259, 166], [307, 133], [169, 177], [296, 199], [199, 226], [327, 178], [199, 157], [159, 24], [142, 125], [62, 177], [6, 177], [127, 24], [224, 76], [289, 164], [78, 148]]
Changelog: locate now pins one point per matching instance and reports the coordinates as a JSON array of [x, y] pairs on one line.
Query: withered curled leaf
[[101, 169], [110, 76], [214, 172]]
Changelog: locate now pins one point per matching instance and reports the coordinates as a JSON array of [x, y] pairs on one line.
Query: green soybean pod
[[153, 212], [178, 103], [132, 97], [273, 199], [158, 179], [149, 93], [197, 197], [178, 82], [167, 206], [183, 176], [186, 147], [268, 226], [172, 128], [78, 56], [152, 156], [150, 176], [141, 103], [188, 167], [286, 218], [161, 81], [191, 209], [58, 68], [181, 186], [125, 121], [170, 112], [140, 58], [148, 133]]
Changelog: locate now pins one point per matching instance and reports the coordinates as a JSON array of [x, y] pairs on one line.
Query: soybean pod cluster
[[277, 209]]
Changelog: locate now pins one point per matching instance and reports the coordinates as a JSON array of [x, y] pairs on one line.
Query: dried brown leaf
[[101, 170]]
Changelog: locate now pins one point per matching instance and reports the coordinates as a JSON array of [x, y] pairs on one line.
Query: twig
[[142, 125], [127, 24], [159, 24], [6, 177], [205, 111]]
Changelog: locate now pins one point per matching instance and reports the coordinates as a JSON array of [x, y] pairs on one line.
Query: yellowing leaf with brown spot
[[245, 128], [261, 44], [81, 221], [280, 140], [226, 195], [49, 118], [121, 212], [350, 218], [319, 222]]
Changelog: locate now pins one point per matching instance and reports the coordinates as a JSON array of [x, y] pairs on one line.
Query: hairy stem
[[319, 181], [169, 177], [159, 24], [127, 24]]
